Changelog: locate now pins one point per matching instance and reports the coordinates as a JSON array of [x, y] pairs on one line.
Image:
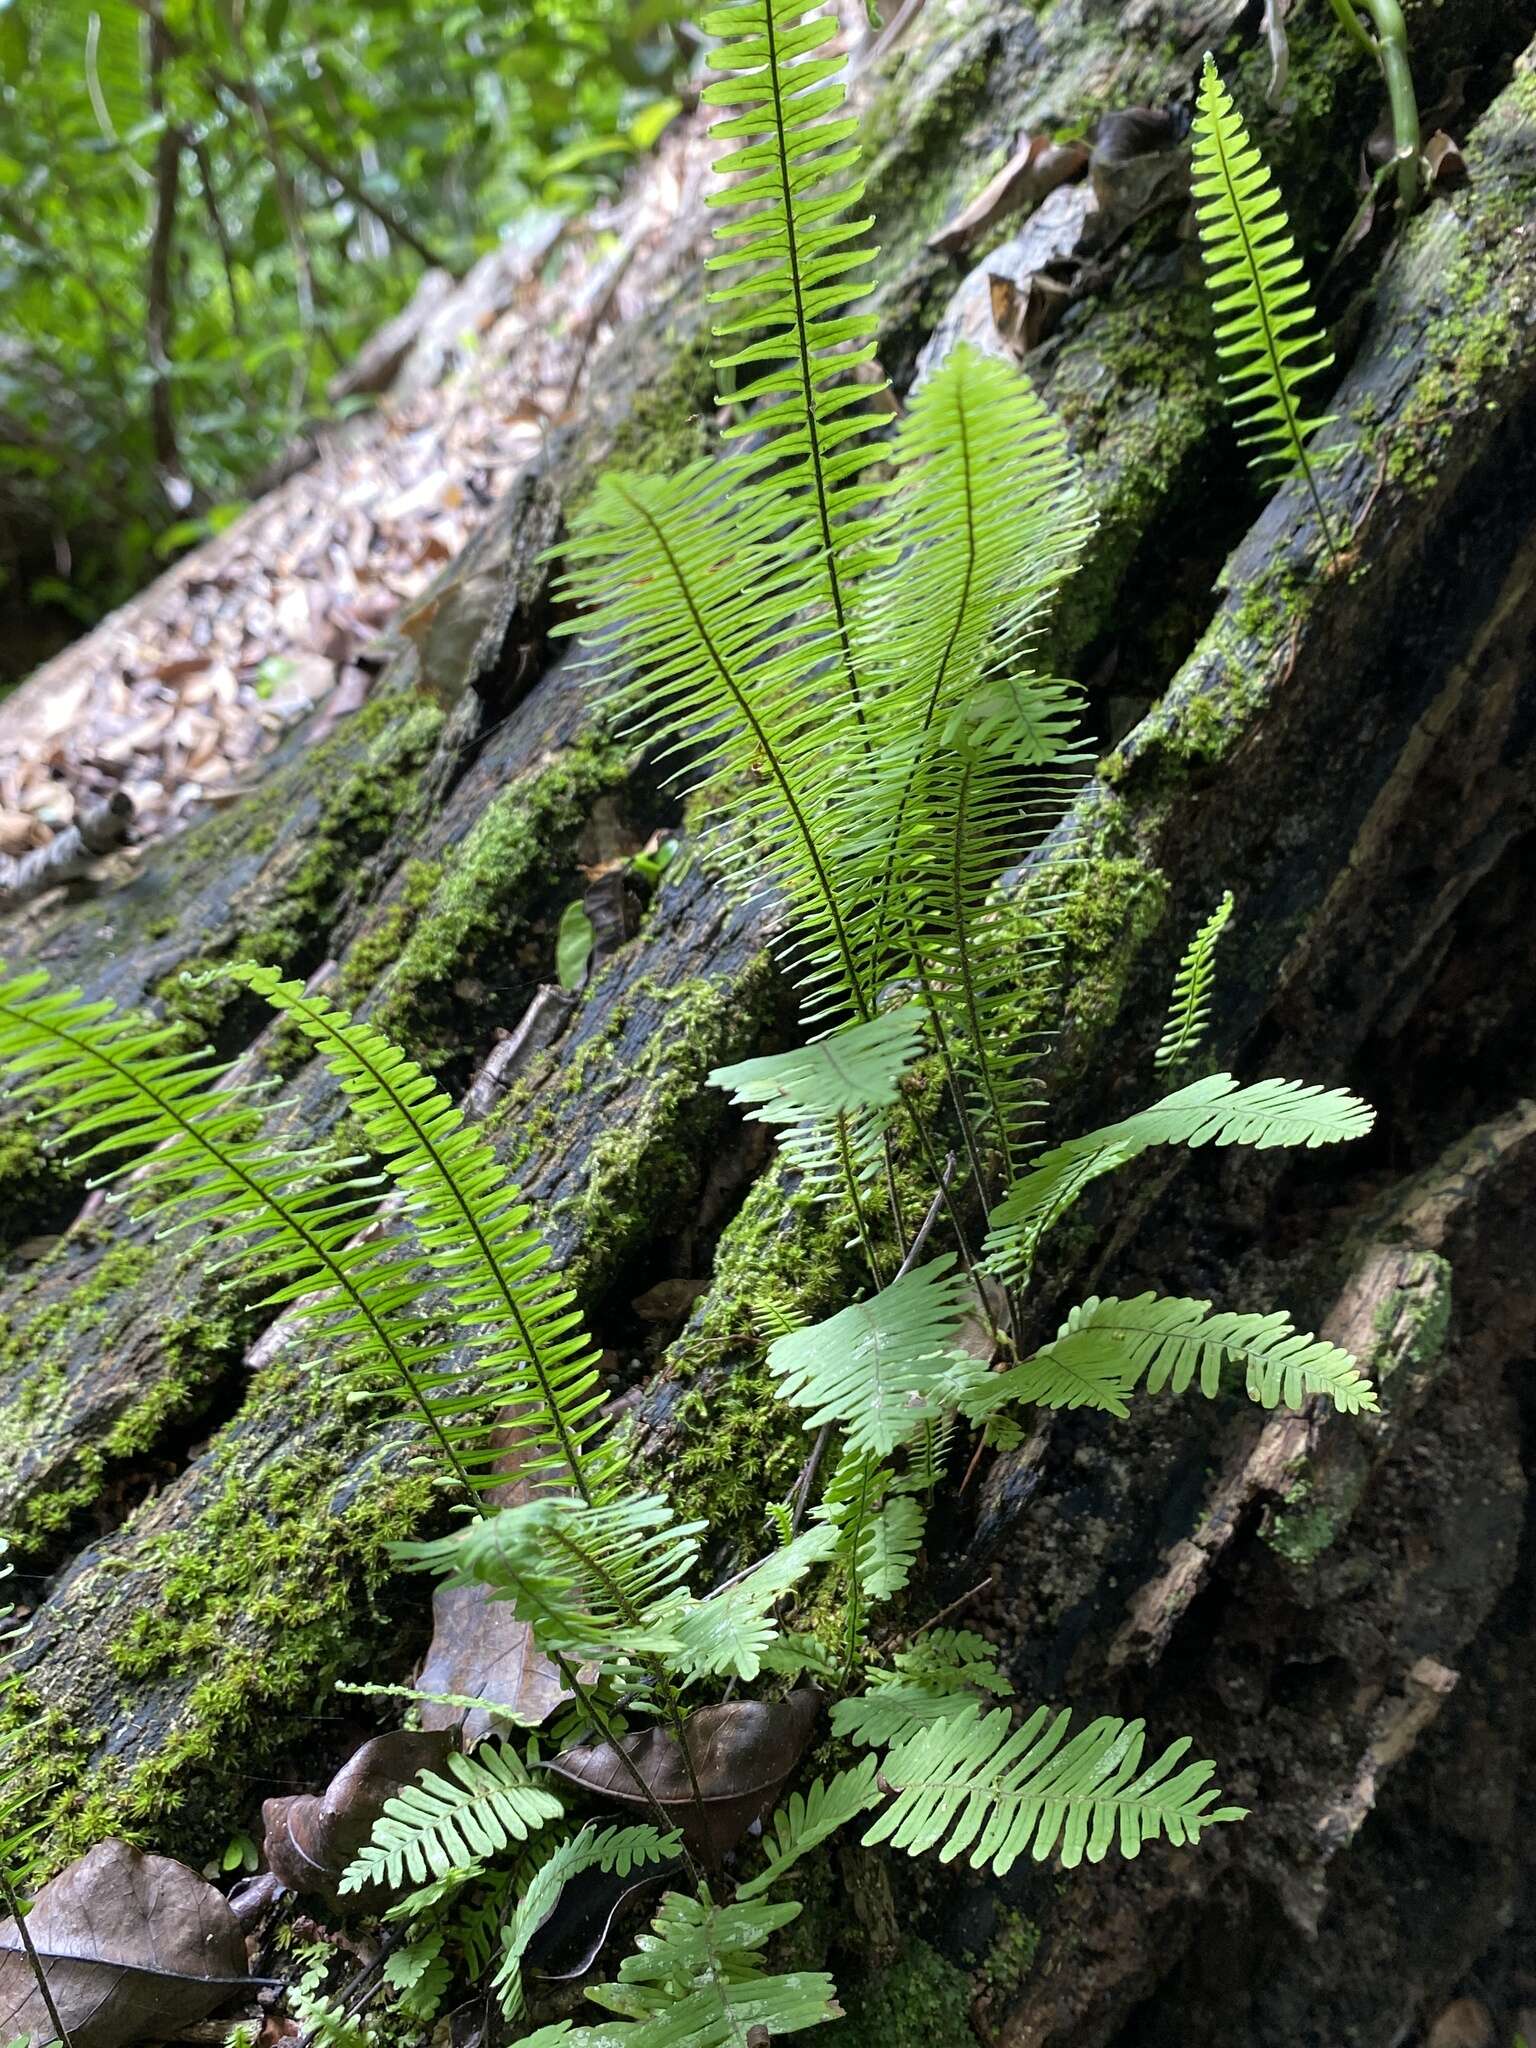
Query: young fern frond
[[1267, 330], [1107, 1348], [1189, 1010], [808, 1818], [828, 1098], [441, 1823], [731, 1630], [943, 1672], [887, 1546], [976, 1783], [789, 286], [1210, 1111], [878, 1367], [534, 1370]]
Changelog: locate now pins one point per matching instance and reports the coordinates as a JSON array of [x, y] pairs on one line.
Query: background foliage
[[207, 205]]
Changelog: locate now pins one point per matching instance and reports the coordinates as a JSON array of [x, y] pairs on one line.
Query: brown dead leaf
[[1036, 168], [133, 1946], [742, 1752], [481, 1650], [1447, 166], [1139, 162], [310, 1839], [1025, 317]]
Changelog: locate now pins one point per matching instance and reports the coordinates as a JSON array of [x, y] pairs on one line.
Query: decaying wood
[[1338, 1611]]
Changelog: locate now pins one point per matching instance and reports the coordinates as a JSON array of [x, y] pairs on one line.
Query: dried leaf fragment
[[741, 1751], [134, 1947], [311, 1839], [1036, 168]]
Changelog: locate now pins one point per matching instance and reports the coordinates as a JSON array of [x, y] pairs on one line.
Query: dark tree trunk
[[1339, 1611]]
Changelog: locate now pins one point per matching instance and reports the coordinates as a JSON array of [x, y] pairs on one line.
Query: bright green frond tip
[[1189, 1011], [1268, 336]]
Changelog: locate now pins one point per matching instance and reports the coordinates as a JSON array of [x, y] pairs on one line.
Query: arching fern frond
[[941, 1673], [731, 1630], [876, 1367], [1214, 1110], [827, 1098], [534, 1369], [976, 1783], [454, 1822], [1189, 1009], [1267, 330], [1109, 1347], [138, 1099], [808, 1818]]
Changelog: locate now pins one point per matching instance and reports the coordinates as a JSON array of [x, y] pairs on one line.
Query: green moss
[[287, 919], [472, 909], [30, 1183], [918, 2001], [1011, 1956], [371, 955], [1300, 1533], [281, 1585]]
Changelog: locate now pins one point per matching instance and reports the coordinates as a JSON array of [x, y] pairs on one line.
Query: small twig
[[925, 1228], [904, 1635], [14, 1904]]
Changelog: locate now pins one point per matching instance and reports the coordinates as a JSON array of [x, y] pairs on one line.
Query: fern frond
[[1211, 1111], [888, 1545], [976, 1783], [137, 1099], [594, 1584], [454, 1822], [808, 1818], [697, 1981], [1174, 1343], [619, 1849], [943, 1671], [730, 1631], [877, 1367], [788, 266], [1189, 1009], [534, 1395], [421, 1973], [1267, 329], [826, 1098]]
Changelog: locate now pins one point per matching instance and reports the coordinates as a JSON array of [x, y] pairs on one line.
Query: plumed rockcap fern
[[1267, 331]]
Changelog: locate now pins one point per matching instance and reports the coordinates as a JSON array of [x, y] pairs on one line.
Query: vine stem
[[8, 1893]]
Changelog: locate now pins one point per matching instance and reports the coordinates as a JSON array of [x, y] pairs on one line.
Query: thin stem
[[599, 1719], [13, 1904], [1389, 47]]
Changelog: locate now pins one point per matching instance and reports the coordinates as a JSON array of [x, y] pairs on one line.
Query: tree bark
[[1337, 1610]]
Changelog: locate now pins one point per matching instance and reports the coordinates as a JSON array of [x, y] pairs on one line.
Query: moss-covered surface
[[284, 919], [920, 2000], [245, 1616]]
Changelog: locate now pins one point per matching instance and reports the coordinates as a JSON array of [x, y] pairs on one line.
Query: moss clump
[[1011, 1954], [918, 2001], [32, 1184], [474, 909]]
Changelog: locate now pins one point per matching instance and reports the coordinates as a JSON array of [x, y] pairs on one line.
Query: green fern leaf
[[878, 1367], [594, 1584], [618, 1849], [944, 1671], [826, 1097], [441, 1824], [888, 1545], [421, 1973], [976, 1783], [536, 1397], [1108, 1347], [809, 1818], [1190, 1008], [1211, 1111], [1267, 330], [731, 1630]]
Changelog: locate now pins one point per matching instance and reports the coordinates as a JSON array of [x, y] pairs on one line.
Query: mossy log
[[1339, 1611]]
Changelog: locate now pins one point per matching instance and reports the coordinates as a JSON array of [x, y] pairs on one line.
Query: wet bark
[[1339, 1611]]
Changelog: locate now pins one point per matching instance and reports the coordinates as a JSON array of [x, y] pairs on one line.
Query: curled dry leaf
[[741, 1752], [1447, 166], [310, 1838], [1036, 168], [1140, 161], [134, 1947], [572, 1937]]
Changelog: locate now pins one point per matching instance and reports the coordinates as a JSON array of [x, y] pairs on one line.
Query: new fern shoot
[[840, 659]]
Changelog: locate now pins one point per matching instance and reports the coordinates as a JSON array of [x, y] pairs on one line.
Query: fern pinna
[[844, 661]]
